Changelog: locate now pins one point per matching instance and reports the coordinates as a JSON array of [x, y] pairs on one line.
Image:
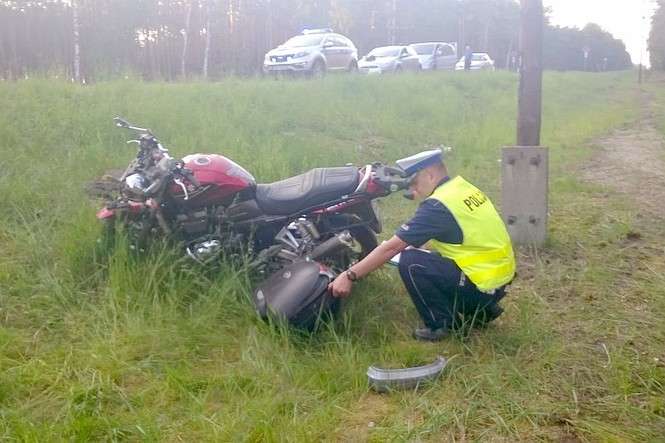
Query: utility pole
[[525, 166], [531, 74]]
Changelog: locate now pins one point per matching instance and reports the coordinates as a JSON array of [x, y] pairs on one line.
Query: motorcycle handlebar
[[122, 123], [390, 178], [189, 176]]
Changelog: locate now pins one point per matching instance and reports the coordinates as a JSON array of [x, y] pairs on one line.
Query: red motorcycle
[[213, 206]]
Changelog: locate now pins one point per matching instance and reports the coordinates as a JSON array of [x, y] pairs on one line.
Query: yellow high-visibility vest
[[486, 253]]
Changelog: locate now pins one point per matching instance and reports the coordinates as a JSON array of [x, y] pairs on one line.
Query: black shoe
[[427, 334], [492, 312], [484, 317]]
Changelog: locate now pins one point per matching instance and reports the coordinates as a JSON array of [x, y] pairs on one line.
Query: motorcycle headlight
[[137, 183]]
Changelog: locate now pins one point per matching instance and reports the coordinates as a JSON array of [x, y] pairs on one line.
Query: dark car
[[436, 55], [314, 52]]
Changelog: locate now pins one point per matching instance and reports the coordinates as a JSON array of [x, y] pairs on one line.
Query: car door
[[445, 57], [349, 52], [334, 49], [411, 59]]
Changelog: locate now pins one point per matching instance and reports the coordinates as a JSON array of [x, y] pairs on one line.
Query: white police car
[[314, 52]]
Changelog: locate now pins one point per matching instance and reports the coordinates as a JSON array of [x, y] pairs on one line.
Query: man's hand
[[341, 286]]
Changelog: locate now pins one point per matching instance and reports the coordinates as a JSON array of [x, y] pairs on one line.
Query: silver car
[[392, 59], [313, 52], [436, 55]]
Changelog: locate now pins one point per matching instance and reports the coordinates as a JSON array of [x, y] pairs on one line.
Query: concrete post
[[525, 178]]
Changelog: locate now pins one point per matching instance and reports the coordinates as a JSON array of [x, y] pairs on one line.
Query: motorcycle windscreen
[[297, 294]]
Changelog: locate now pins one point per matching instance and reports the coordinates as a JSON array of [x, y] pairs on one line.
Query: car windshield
[[424, 48], [388, 51], [300, 41], [478, 57]]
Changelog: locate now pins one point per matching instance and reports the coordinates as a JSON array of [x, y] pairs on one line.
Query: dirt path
[[632, 162]]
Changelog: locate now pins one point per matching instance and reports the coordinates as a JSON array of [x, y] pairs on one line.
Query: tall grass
[[118, 347]]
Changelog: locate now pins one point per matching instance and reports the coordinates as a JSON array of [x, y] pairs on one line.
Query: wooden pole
[[525, 167], [531, 74]]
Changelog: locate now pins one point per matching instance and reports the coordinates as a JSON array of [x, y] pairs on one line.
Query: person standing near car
[[468, 56], [470, 261]]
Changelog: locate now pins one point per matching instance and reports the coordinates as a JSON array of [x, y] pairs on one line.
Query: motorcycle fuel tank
[[219, 179]]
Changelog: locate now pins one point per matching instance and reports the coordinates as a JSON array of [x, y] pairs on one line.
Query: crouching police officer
[[470, 261]]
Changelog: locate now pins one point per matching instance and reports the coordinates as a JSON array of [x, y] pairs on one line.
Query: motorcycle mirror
[[120, 123]]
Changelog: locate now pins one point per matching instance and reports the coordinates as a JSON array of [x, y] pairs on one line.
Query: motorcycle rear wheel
[[364, 240]]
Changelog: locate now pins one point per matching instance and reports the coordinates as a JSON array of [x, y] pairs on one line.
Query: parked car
[[313, 52], [436, 55], [480, 61], [391, 59]]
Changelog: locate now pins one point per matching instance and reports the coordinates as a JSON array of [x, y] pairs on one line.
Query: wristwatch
[[352, 276]]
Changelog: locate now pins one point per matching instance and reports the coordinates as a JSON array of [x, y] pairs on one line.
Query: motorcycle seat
[[313, 188]]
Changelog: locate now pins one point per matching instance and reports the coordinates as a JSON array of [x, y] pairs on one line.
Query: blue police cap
[[413, 164]]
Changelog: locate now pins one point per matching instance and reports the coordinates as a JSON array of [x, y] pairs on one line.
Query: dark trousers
[[433, 282]]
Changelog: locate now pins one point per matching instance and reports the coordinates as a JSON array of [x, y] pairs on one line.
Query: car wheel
[[353, 67], [398, 69], [318, 69]]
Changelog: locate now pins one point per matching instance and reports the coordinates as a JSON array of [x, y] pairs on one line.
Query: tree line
[[657, 37], [91, 40]]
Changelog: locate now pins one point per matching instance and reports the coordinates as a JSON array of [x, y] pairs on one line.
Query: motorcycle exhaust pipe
[[332, 245]]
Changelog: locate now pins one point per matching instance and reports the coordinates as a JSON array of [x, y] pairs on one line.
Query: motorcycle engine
[[205, 251], [193, 224], [205, 241]]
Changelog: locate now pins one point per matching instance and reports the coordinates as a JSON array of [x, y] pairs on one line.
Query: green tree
[[564, 49], [657, 38]]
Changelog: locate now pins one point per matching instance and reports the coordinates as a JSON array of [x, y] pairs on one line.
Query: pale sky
[[627, 20]]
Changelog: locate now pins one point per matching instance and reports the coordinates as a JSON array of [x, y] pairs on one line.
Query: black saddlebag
[[298, 294]]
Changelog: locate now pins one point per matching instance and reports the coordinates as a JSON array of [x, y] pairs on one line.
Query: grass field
[[94, 347]]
